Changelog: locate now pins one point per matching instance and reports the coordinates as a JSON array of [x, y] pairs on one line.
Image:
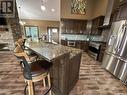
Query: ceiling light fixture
[[52, 10], [43, 8]]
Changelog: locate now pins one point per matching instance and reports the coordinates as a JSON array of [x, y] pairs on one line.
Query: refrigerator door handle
[[111, 40], [121, 35]]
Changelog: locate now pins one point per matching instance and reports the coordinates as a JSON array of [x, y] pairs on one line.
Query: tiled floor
[[93, 80]]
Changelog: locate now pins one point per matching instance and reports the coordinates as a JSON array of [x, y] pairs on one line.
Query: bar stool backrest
[[25, 68]]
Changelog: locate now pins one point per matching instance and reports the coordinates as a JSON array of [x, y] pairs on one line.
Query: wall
[[99, 8], [94, 8], [42, 24]]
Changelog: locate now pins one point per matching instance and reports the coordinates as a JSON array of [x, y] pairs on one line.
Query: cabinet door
[[75, 27], [84, 46], [64, 42], [63, 27], [93, 27], [122, 1], [82, 28], [95, 24], [67, 27], [71, 22], [60, 75], [78, 44], [122, 12], [79, 27]]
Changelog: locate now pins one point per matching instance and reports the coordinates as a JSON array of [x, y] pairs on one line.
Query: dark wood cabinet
[[65, 73], [114, 15], [122, 14], [119, 11], [78, 44], [95, 25], [75, 27], [115, 11], [102, 50], [82, 45], [64, 42], [72, 26], [122, 2], [63, 27]]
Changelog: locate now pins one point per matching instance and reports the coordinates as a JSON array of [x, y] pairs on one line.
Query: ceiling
[[31, 9]]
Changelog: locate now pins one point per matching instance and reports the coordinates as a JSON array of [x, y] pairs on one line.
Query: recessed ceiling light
[[52, 10], [43, 8]]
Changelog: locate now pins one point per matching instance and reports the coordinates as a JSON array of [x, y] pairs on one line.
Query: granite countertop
[[73, 51], [51, 51]]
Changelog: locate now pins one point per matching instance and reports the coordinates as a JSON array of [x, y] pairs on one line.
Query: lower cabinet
[[102, 50], [64, 42], [78, 44], [65, 73]]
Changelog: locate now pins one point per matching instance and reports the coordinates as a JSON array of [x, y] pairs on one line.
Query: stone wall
[[6, 37], [15, 26], [11, 32]]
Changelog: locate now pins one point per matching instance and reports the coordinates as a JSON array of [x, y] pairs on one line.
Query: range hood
[[106, 23]]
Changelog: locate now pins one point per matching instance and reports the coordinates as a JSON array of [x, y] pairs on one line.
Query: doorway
[[31, 33], [53, 34]]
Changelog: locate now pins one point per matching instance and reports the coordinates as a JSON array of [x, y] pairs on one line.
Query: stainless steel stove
[[94, 50]]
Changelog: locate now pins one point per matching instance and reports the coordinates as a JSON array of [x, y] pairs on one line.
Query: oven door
[[93, 52]]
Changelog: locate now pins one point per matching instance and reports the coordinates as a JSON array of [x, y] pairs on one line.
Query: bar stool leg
[[49, 84], [30, 88], [44, 83]]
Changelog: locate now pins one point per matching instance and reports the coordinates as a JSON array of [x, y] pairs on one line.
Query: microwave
[[71, 43]]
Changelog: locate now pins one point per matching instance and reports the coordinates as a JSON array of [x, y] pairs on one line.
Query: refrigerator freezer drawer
[[109, 62], [115, 66], [123, 73]]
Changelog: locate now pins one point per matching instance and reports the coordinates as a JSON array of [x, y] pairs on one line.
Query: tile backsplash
[[82, 37]]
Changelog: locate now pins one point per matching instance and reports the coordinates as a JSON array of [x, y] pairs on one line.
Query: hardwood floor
[[92, 80]]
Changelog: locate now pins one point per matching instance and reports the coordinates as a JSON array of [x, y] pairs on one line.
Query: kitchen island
[[66, 64]]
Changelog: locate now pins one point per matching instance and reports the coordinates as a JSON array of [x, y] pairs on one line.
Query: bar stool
[[34, 72], [28, 51], [21, 44]]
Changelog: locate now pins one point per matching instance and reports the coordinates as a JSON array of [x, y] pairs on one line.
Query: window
[[53, 34], [31, 33]]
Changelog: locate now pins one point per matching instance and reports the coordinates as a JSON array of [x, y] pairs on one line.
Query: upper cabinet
[[122, 1], [96, 23], [70, 26], [120, 10], [122, 14]]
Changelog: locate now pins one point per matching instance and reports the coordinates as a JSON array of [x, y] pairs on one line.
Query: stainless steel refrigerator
[[115, 57]]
